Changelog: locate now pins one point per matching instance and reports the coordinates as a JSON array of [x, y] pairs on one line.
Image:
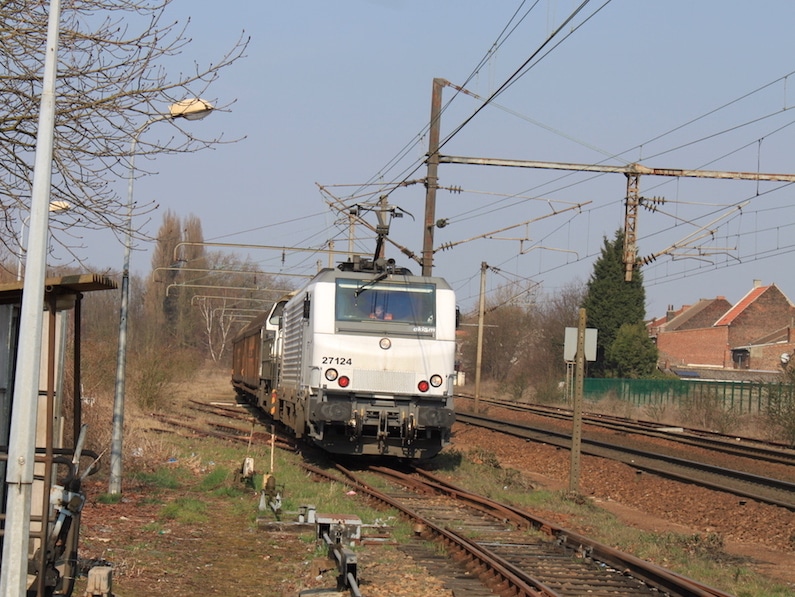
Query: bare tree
[[201, 299], [219, 322], [169, 305], [186, 322], [237, 291], [523, 338], [555, 311], [507, 334], [112, 78]]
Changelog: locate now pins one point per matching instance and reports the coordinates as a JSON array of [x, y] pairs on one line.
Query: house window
[[741, 358]]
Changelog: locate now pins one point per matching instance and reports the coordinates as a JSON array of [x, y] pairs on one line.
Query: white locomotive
[[360, 361]]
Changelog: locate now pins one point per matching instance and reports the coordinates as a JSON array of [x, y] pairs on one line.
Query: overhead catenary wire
[[610, 204], [506, 32], [518, 73], [509, 29]]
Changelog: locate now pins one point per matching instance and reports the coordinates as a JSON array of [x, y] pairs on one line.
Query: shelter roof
[[70, 284]]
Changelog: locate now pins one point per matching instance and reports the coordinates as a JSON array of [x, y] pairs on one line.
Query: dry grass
[[145, 440]]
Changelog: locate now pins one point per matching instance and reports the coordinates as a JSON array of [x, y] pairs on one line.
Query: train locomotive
[[359, 362]]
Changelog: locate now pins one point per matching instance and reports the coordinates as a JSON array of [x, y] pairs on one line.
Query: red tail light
[[344, 381], [423, 386]]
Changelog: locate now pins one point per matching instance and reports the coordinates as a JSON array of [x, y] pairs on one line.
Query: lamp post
[[55, 206], [190, 109]]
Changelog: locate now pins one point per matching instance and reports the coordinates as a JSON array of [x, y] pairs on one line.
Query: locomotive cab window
[[397, 305], [276, 314]]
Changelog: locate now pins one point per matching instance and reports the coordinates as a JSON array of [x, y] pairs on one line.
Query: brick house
[[752, 334]]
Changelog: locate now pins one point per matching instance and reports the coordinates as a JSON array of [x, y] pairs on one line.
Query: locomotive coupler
[[409, 431], [383, 431], [354, 428]]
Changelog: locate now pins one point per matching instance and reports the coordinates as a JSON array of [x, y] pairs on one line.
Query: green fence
[[737, 396]]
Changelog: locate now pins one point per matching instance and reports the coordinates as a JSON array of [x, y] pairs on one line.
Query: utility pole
[[481, 316], [631, 204], [576, 433], [432, 180], [19, 476]]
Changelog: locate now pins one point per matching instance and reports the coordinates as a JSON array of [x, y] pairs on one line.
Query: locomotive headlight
[[436, 380], [385, 343], [344, 381], [331, 374], [423, 386]]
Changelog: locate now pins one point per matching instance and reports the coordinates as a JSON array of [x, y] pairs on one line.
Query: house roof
[[661, 323], [688, 313], [656, 322], [741, 305]]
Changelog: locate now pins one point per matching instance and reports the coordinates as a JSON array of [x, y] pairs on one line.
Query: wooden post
[[576, 433]]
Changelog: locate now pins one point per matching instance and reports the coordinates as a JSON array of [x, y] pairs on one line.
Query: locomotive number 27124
[[337, 361]]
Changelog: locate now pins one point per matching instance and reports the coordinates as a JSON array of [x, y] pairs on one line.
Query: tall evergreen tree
[[611, 302]]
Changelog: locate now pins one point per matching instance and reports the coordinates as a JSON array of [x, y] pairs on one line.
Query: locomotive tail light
[[331, 374], [436, 380], [423, 386], [385, 343], [344, 381]]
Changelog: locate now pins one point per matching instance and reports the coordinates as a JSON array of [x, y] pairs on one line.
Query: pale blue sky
[[333, 92]]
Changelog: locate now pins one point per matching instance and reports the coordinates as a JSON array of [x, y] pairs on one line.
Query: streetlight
[[189, 109], [55, 206]]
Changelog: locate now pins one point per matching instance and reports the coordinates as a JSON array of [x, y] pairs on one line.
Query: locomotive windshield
[[413, 303]]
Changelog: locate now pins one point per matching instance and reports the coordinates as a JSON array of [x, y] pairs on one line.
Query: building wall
[[704, 346], [768, 356], [769, 312], [711, 346]]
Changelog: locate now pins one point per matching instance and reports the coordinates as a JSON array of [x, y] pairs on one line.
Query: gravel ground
[[225, 556]]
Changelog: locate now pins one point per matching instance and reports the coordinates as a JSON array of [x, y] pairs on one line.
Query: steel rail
[[513, 578], [516, 585], [632, 457], [648, 572], [734, 445]]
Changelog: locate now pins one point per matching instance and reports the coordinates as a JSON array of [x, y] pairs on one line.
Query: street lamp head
[[191, 109], [59, 205]]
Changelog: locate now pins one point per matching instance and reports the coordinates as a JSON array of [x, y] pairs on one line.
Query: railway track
[[221, 428], [743, 484], [504, 550], [773, 452]]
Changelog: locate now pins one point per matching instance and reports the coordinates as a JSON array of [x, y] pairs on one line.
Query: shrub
[[780, 413]]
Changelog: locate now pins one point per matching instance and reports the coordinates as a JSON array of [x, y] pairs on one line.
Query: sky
[[333, 102]]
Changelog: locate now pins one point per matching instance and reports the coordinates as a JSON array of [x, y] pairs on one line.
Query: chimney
[[757, 283], [669, 315]]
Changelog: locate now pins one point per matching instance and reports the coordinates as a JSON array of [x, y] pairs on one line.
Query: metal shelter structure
[[60, 461]]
